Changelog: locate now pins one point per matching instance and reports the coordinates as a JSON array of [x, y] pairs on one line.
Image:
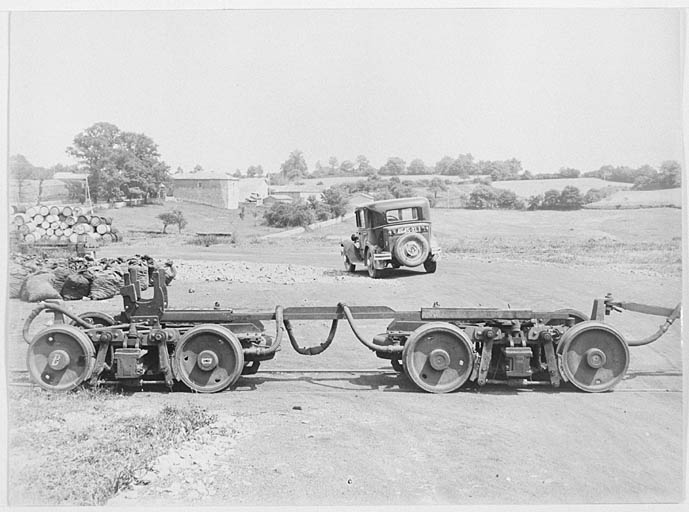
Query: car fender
[[351, 250]]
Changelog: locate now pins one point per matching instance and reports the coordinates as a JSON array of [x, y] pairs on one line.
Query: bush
[[296, 214], [173, 218], [482, 197]]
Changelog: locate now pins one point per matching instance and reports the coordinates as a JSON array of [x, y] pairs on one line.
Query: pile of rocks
[[250, 272], [35, 278]]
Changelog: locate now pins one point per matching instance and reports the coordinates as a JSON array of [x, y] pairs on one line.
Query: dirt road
[[343, 429]]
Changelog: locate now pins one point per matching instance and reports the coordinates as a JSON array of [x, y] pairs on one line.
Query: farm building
[[276, 198], [211, 188], [296, 194], [253, 189], [360, 198]]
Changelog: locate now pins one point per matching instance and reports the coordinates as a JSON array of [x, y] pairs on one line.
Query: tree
[[395, 166], [482, 197], [118, 161], [347, 166], [505, 170], [568, 172], [289, 214], [237, 174], [508, 200], [41, 175], [335, 201], [570, 198], [319, 170], [173, 218], [594, 195], [463, 165], [436, 185], [197, 168], [417, 167], [295, 166], [670, 174], [332, 162], [443, 166], [535, 202], [551, 200], [363, 165], [254, 170]]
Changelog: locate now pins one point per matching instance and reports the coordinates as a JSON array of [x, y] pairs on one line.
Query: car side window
[[362, 219]]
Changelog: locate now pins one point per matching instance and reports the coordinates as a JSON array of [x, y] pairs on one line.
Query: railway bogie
[[439, 349]]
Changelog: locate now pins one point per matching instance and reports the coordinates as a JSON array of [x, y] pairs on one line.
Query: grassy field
[[642, 240], [631, 239], [142, 222], [94, 445], [641, 199]]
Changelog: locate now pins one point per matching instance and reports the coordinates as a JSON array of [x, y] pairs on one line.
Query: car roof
[[389, 204]]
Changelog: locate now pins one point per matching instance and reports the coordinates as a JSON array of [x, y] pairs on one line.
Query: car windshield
[[402, 214]]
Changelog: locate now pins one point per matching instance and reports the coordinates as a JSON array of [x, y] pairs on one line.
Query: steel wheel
[[208, 358], [349, 266], [370, 265], [60, 358], [595, 356], [438, 357]]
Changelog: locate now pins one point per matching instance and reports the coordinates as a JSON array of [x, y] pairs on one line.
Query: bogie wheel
[[208, 358], [95, 318], [438, 357], [430, 266], [594, 356], [373, 272], [60, 358], [348, 265]]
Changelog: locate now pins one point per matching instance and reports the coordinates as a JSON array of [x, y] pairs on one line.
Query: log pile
[[63, 225], [35, 278]]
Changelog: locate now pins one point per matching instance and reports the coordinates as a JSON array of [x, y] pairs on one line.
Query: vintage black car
[[395, 233]]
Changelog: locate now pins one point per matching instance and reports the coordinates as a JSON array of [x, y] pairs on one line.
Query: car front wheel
[[348, 265]]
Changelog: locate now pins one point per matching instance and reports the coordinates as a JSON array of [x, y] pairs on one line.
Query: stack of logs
[[63, 224]]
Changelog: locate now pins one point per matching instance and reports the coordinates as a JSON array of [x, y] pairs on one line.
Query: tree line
[[125, 165], [645, 177]]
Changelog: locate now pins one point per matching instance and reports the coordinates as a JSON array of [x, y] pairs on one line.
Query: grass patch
[[78, 449], [664, 258]]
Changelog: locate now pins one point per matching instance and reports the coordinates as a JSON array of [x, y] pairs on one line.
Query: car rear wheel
[[430, 266], [370, 265]]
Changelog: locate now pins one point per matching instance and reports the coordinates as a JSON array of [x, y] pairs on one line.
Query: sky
[[228, 89]]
